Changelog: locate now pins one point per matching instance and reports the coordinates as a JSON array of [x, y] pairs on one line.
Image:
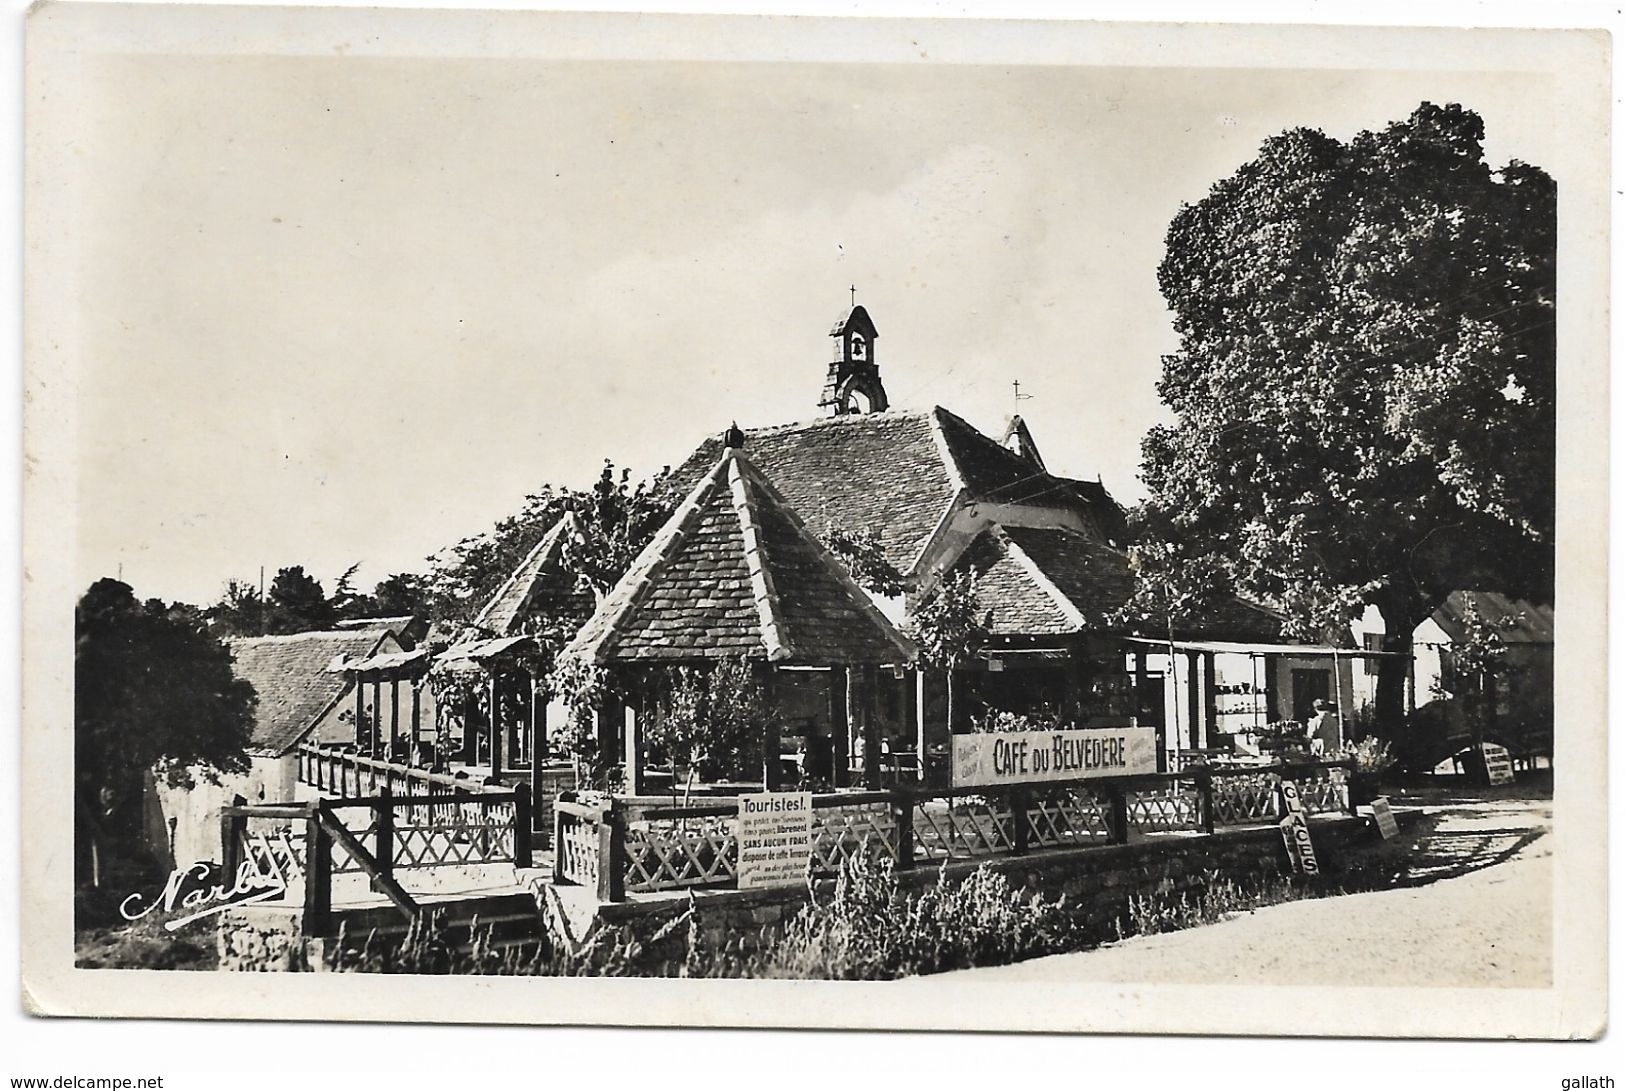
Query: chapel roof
[[896, 472]]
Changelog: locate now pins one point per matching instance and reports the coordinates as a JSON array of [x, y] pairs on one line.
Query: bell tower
[[853, 383]]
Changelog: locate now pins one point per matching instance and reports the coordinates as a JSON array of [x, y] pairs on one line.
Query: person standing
[[1325, 736]]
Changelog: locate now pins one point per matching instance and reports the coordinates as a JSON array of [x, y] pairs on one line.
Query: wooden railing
[[627, 845], [308, 844], [342, 772]]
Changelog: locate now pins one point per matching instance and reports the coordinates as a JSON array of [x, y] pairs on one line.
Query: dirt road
[[1474, 909]]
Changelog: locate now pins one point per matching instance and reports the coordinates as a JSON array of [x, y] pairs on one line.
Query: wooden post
[[871, 728], [394, 714], [1020, 800], [1210, 700], [360, 715], [1204, 798], [538, 737], [384, 835], [1117, 799], [922, 727], [318, 873], [772, 740], [902, 808], [911, 719], [1193, 680], [558, 846], [417, 715], [494, 728], [376, 731], [1272, 708], [604, 717], [840, 730], [632, 757], [521, 825], [471, 731], [611, 856], [233, 828]]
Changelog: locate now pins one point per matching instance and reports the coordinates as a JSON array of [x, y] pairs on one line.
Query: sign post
[[775, 839], [1300, 849], [1497, 763], [1385, 818]]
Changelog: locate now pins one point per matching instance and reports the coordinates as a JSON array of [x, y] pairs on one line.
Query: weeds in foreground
[[867, 928]]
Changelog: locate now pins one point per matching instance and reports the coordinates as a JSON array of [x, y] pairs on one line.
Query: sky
[[342, 309]]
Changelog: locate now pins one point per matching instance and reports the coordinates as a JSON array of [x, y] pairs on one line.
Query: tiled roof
[[879, 470], [539, 577], [1534, 625], [294, 685], [895, 472], [734, 572], [1043, 582]]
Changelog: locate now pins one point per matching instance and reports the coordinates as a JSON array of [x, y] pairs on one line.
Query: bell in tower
[[853, 383]]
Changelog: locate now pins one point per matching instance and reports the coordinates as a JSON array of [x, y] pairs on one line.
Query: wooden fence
[[624, 845], [308, 844]]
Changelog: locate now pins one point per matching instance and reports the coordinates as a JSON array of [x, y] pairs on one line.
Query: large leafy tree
[[616, 518], [1364, 389], [153, 690]]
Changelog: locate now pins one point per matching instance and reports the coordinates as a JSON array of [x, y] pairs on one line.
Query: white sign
[[1015, 757], [1385, 817], [775, 839], [1295, 831], [1498, 763]]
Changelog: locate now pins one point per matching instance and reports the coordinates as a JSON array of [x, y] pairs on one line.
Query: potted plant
[[1371, 758]]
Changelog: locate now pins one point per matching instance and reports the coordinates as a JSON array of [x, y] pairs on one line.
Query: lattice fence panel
[[481, 839], [701, 852], [577, 850], [1245, 799], [275, 849], [966, 827], [363, 823], [1074, 817], [840, 833], [1162, 810], [1326, 792]]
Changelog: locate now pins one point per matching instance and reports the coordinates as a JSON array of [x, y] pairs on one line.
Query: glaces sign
[[1017, 757]]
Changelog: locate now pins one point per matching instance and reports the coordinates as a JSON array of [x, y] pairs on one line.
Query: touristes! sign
[[775, 839], [989, 758]]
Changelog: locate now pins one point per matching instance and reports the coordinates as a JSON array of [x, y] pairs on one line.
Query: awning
[[1285, 651], [483, 651], [383, 664]]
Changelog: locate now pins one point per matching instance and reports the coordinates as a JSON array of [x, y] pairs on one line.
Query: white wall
[[191, 817]]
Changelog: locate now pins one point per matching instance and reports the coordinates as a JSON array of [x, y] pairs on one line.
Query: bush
[[870, 930]]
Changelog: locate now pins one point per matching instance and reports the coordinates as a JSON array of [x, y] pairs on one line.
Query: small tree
[[153, 690], [1480, 661], [950, 626], [864, 559], [712, 719]]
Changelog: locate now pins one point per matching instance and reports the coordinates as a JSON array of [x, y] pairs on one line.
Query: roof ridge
[[308, 634], [1035, 571], [548, 541], [635, 584], [848, 420], [860, 598], [741, 475]]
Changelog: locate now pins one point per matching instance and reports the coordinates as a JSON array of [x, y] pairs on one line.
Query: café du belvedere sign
[[775, 839], [989, 758]]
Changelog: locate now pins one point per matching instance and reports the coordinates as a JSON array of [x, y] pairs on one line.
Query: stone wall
[[265, 938]]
